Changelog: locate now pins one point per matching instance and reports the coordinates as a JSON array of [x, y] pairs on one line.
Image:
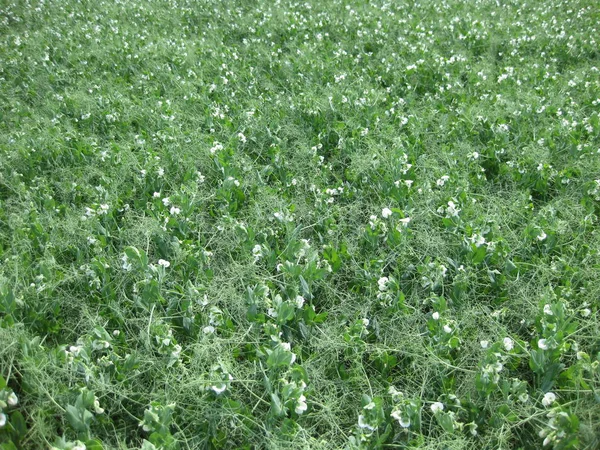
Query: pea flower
[[508, 344], [12, 399], [548, 399], [437, 407], [386, 212], [301, 406], [382, 282], [97, 407], [403, 421], [219, 388]]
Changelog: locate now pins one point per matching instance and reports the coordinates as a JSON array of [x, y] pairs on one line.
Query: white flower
[[386, 212], [435, 316], [394, 392], [442, 180], [478, 240], [508, 344], [219, 388], [548, 310], [79, 446], [543, 344], [166, 201], [116, 333], [548, 399], [369, 406], [382, 282], [437, 407], [208, 329], [585, 312], [541, 236], [216, 147], [2, 419], [12, 399], [97, 408], [447, 329], [301, 406], [164, 263], [484, 344], [405, 221], [161, 171], [156, 195], [403, 421], [174, 210], [363, 424], [299, 301], [452, 210]]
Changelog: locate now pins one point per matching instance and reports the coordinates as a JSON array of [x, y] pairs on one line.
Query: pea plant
[[319, 224]]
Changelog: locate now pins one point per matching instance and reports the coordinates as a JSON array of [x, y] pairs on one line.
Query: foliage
[[334, 224]]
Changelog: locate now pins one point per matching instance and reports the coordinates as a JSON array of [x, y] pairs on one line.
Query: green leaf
[[445, 421], [74, 419], [537, 360], [278, 358], [550, 374], [304, 288], [276, 405], [510, 268], [285, 313], [479, 254], [93, 444], [18, 422]]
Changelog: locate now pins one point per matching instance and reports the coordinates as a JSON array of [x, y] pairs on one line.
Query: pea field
[[299, 224]]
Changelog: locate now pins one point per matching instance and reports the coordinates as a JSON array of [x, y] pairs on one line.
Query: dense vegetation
[[299, 224]]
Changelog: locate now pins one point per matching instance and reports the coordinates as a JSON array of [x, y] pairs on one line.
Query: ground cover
[[317, 224]]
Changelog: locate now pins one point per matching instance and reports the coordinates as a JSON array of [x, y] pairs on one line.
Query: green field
[[336, 224]]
